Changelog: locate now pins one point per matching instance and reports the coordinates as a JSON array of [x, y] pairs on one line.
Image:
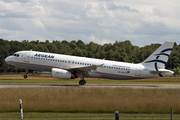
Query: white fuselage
[[110, 69]]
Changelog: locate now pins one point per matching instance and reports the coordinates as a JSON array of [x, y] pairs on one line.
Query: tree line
[[122, 51]]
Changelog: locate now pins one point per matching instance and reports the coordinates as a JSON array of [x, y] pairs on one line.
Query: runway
[[159, 86]]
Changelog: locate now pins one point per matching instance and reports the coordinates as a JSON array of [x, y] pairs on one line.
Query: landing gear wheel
[[25, 76], [82, 82]]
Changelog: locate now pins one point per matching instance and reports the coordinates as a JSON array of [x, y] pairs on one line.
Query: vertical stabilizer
[[159, 58]]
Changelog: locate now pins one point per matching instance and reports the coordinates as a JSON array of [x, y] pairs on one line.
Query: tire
[[82, 82], [25, 76]]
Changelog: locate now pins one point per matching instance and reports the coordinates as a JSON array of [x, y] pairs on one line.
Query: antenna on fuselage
[[31, 50]]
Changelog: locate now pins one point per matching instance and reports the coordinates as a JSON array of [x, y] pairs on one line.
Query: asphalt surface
[[160, 86]]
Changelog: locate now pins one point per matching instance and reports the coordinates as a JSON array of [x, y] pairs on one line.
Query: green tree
[[176, 71], [81, 44], [123, 57], [77, 52], [73, 45], [102, 55], [110, 55]]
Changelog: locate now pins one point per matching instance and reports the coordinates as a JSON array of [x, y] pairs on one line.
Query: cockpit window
[[16, 55]]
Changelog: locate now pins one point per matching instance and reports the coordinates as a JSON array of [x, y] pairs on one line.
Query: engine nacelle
[[62, 74]]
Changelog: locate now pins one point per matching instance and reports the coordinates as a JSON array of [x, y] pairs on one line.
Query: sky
[[143, 22]]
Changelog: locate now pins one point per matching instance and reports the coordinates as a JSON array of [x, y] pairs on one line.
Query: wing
[[84, 69]]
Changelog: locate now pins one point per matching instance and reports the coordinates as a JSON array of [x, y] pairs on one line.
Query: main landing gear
[[25, 76], [82, 81]]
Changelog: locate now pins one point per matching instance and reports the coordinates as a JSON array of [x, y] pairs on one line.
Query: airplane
[[71, 67]]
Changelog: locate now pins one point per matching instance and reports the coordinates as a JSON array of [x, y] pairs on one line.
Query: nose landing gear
[[25, 76]]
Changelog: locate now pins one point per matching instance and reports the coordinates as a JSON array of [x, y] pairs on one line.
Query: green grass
[[49, 79]]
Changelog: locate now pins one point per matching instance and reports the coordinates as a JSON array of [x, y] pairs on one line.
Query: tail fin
[[159, 58]]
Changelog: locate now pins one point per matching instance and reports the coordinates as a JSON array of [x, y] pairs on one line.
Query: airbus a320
[[71, 67]]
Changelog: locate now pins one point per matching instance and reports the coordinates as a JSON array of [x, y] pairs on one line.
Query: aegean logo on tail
[[160, 61]]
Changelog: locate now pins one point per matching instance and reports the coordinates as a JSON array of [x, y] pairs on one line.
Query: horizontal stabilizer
[[162, 71]]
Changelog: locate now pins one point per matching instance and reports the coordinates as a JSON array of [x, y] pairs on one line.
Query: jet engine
[[62, 74]]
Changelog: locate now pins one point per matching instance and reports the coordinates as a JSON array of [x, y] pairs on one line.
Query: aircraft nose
[[6, 59]]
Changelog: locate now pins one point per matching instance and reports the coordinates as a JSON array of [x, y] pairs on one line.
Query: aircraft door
[[138, 71], [26, 57]]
